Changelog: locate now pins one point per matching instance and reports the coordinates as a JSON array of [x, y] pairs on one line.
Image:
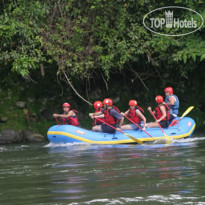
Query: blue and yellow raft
[[72, 134]]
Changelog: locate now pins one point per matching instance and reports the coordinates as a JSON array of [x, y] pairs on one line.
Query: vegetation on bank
[[99, 47]]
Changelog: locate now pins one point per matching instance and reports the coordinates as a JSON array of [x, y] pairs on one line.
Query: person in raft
[[135, 113], [97, 123], [112, 117], [161, 113], [173, 103], [69, 117]]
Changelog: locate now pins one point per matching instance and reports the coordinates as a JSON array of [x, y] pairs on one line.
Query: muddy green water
[[103, 174]]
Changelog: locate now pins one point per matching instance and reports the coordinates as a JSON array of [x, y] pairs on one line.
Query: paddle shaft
[[137, 125], [174, 122], [57, 120], [108, 124], [133, 138], [157, 122]]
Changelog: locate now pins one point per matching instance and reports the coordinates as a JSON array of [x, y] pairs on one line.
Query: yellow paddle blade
[[187, 111], [169, 139], [134, 139]]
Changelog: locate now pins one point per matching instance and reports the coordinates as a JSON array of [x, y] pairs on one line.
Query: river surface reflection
[[103, 174]]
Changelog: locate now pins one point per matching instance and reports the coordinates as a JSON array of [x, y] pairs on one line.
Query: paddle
[[133, 138], [57, 120], [168, 137], [174, 122], [137, 125]]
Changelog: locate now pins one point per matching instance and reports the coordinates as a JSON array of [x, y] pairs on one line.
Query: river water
[[103, 174]]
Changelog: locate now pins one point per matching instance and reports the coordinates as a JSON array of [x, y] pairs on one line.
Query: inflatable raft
[[71, 134]]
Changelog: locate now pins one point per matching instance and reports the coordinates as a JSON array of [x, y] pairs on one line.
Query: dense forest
[[80, 51]]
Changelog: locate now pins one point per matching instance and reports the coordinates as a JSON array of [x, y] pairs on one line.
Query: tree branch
[[136, 73], [71, 85], [106, 85]]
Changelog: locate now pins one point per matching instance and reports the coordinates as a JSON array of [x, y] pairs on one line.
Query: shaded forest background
[[80, 51]]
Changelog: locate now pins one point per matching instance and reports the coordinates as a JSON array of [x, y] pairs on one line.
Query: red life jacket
[[158, 113], [95, 120], [133, 115], [109, 119], [71, 120]]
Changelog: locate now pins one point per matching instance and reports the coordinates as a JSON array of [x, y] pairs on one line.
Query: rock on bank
[[13, 136]]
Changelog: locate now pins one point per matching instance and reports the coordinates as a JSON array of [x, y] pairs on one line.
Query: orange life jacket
[[109, 119], [133, 115], [159, 114], [73, 120]]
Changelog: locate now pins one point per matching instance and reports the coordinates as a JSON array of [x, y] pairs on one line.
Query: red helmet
[[66, 105], [159, 99], [97, 104], [107, 101], [169, 89], [132, 103]]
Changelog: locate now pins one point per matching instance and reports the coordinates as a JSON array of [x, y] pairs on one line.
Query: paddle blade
[[134, 139], [169, 140], [187, 111]]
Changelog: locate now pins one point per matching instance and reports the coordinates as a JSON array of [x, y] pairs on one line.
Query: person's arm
[[171, 100], [95, 114], [164, 114], [142, 117], [125, 113], [121, 122], [70, 114], [117, 115], [100, 116]]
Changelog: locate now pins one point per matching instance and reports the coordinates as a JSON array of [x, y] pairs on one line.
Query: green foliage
[[95, 39], [87, 37], [20, 26]]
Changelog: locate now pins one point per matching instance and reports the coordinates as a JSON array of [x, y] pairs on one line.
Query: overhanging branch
[[76, 92]]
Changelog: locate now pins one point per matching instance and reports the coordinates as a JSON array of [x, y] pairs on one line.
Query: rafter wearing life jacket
[[133, 115], [174, 109], [159, 114], [73, 120], [109, 119]]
